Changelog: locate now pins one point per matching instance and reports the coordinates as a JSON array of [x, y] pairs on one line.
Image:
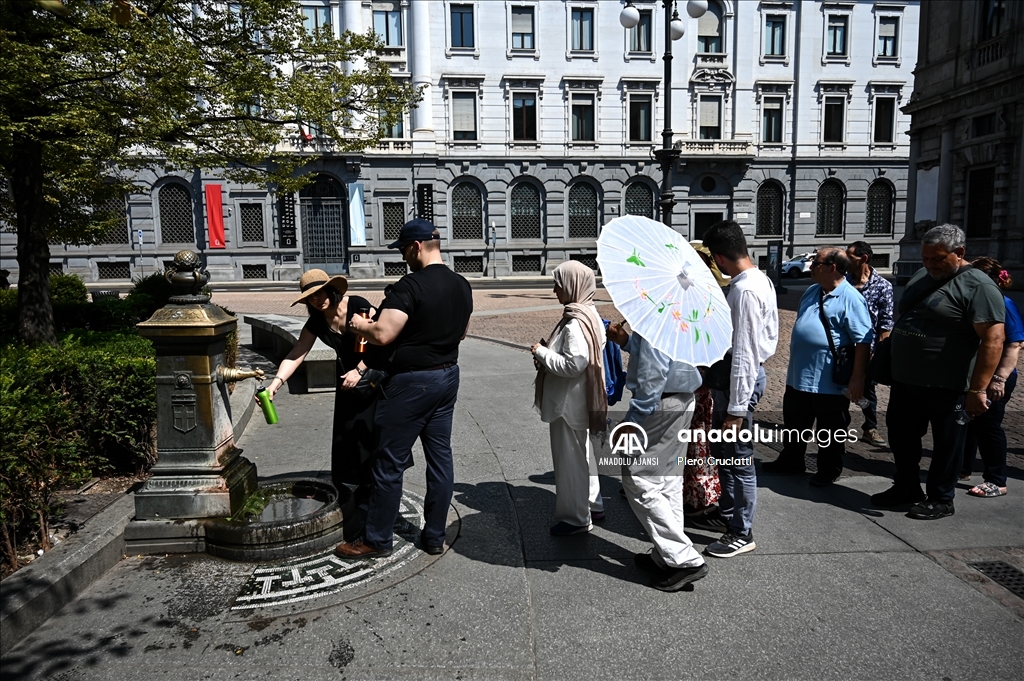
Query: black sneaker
[[780, 467], [645, 562], [820, 479], [897, 496], [711, 521], [931, 510], [674, 579], [731, 544]]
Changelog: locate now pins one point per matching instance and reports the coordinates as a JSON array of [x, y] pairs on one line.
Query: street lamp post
[[674, 30]]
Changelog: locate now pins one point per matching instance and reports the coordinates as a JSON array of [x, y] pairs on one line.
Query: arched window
[[114, 209], [177, 225], [769, 209], [710, 30], [640, 200], [525, 201], [467, 212], [582, 212], [831, 209], [878, 218]]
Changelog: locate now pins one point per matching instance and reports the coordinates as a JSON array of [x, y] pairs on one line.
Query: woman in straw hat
[[355, 435], [571, 397]]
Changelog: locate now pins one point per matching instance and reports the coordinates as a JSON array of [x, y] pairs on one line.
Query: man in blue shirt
[[662, 406], [811, 395]]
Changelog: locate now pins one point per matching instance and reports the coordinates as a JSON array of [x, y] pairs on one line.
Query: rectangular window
[[772, 115], [522, 28], [833, 128], [583, 29], [710, 118], [464, 115], [396, 131], [983, 125], [524, 116], [640, 118], [980, 192], [709, 32], [316, 18], [775, 36], [388, 25], [640, 35], [836, 39], [991, 18], [583, 118], [462, 26], [885, 120], [888, 27]]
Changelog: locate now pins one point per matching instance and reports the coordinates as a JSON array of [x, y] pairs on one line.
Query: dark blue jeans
[[911, 410], [985, 433], [416, 404], [871, 411]]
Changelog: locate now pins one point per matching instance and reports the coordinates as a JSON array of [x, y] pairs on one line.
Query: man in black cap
[[423, 318]]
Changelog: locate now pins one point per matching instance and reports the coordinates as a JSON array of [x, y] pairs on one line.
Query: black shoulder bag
[[880, 366], [842, 357]]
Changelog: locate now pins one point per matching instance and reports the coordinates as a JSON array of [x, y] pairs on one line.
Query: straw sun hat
[[314, 280]]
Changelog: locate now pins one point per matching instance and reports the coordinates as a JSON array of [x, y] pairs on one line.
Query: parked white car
[[798, 266]]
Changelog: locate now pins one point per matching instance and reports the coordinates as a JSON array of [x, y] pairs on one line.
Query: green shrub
[[70, 411], [151, 293], [67, 288]]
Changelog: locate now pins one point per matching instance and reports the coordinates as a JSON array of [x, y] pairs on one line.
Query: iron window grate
[[467, 212], [879, 260], [830, 209], [395, 269], [114, 270], [117, 233], [769, 210], [251, 217], [56, 268], [525, 202], [1003, 574], [254, 271], [393, 219], [528, 264], [879, 210], [582, 212], [468, 264], [588, 260], [177, 225], [639, 200]]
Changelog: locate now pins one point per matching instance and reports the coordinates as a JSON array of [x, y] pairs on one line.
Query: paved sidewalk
[[835, 590]]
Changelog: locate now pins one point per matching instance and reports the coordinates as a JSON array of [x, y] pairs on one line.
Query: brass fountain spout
[[233, 375]]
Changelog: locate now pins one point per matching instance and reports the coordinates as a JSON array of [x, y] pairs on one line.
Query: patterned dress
[[701, 487]]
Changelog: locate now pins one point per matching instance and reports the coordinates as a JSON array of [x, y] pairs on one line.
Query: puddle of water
[[284, 508]]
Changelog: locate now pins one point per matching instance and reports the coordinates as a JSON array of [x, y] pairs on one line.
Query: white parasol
[[664, 289]]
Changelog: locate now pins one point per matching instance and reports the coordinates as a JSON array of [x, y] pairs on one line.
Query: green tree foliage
[[92, 89]]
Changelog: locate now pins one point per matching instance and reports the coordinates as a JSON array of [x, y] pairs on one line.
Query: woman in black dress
[[355, 435]]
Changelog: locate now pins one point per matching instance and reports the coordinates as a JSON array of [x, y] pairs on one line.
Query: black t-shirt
[[344, 343], [439, 303]]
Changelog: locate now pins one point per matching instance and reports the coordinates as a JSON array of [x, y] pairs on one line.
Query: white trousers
[[657, 499], [577, 488]]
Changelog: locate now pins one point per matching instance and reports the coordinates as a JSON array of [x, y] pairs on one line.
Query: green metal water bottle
[[269, 411]]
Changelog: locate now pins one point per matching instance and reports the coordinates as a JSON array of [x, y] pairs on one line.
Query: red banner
[[215, 215]]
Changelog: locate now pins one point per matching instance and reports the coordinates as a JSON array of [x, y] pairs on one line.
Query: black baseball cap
[[414, 230]]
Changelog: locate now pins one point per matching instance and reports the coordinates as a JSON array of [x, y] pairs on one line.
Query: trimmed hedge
[[86, 406]]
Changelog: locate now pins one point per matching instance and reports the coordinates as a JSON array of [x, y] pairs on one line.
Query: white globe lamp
[[629, 17], [696, 8]]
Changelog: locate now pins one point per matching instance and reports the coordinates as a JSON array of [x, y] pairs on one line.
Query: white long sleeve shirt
[[565, 380], [755, 334]]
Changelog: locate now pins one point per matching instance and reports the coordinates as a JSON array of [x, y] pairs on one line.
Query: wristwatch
[[361, 372]]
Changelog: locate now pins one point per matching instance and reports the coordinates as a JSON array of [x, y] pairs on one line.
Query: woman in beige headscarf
[[571, 397]]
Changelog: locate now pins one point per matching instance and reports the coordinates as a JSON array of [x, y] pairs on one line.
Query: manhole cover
[[324, 574], [1003, 574]]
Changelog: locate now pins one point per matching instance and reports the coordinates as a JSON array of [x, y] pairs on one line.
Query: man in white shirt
[[755, 334]]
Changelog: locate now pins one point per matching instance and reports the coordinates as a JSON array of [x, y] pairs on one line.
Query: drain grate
[[1003, 574]]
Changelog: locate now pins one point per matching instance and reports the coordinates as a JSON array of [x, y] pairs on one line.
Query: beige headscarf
[[577, 280]]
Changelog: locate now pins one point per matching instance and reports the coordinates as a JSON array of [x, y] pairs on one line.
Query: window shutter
[[463, 112], [708, 24], [522, 20], [887, 28], [772, 103], [709, 107]]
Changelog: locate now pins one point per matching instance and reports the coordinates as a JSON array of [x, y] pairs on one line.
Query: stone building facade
[[537, 126], [967, 131]]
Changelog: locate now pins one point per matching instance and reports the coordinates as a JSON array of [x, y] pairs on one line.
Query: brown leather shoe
[[358, 549]]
